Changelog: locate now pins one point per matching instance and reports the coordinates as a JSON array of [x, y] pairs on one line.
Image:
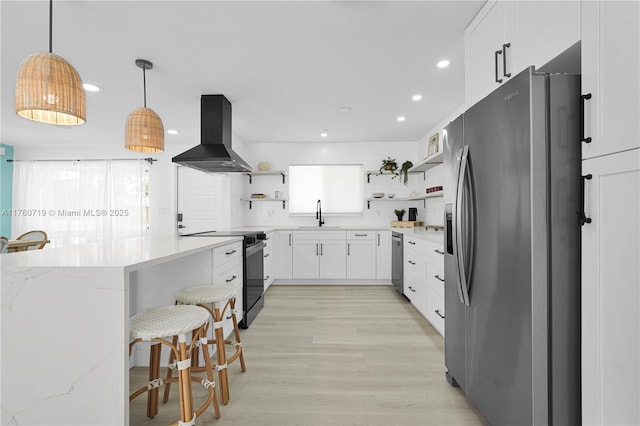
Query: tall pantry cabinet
[[611, 238]]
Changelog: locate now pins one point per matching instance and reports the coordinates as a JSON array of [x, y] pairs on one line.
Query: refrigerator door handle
[[455, 231], [459, 248]]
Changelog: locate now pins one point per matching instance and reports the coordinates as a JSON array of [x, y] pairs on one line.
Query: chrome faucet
[[319, 213]]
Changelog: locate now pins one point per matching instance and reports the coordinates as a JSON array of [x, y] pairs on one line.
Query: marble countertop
[[130, 253]]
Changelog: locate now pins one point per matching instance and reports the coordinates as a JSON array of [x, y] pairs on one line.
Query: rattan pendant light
[[144, 131], [49, 89]]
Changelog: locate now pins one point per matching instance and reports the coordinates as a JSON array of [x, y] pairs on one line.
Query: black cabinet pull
[[498, 52], [378, 240], [348, 249], [233, 277], [438, 277], [412, 289], [412, 262], [361, 235], [266, 255], [229, 253], [289, 239], [321, 251], [439, 251], [582, 217], [439, 314], [267, 278], [583, 99], [230, 316], [504, 59], [412, 242]]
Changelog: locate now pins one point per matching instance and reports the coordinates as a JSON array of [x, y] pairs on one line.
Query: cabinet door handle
[[439, 314], [582, 216], [438, 277], [230, 316], [412, 242], [289, 239], [361, 235], [412, 262], [266, 278], [321, 249], [348, 249], [412, 289], [317, 253], [498, 52], [266, 255], [583, 99], [233, 277], [438, 251], [378, 240], [504, 59], [229, 253]]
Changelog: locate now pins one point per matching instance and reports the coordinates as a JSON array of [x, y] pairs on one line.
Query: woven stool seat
[[206, 294], [167, 321]]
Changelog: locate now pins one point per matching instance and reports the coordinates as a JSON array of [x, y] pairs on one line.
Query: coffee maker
[[413, 214]]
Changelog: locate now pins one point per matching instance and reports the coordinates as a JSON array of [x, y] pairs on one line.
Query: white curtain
[[76, 202]]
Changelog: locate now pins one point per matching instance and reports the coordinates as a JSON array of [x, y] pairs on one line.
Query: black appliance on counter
[[397, 262], [252, 270]]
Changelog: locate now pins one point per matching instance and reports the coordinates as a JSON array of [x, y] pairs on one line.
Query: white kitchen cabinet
[[610, 70], [610, 289], [508, 36], [415, 285], [383, 255], [361, 255], [283, 254], [268, 256], [434, 271], [227, 269], [319, 254]]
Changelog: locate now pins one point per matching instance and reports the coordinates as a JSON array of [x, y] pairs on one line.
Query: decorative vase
[[399, 216]]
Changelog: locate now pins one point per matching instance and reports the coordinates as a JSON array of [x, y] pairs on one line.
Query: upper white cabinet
[[361, 254], [283, 252], [383, 255], [610, 70], [487, 52], [610, 290], [508, 36]]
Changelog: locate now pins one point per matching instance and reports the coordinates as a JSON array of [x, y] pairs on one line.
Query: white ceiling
[[286, 67]]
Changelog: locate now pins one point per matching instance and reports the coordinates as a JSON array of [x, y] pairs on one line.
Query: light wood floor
[[333, 355]]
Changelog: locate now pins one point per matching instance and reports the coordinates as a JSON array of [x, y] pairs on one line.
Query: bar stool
[[216, 299], [152, 325]]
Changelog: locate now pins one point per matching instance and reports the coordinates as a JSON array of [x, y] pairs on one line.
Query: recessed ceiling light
[[324, 133], [443, 64], [416, 97], [344, 109], [172, 132], [91, 87], [400, 118]]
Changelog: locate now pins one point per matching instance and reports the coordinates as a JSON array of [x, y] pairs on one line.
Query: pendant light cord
[[50, 26], [144, 84]]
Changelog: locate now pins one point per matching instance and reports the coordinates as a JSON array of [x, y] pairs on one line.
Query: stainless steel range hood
[[214, 154]]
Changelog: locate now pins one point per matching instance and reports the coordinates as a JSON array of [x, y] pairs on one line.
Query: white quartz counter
[[65, 323], [432, 236]]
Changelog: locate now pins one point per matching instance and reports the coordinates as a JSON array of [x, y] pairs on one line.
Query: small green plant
[[389, 165], [404, 171], [399, 213]]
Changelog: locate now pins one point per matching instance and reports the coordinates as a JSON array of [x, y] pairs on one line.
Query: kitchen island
[[65, 317]]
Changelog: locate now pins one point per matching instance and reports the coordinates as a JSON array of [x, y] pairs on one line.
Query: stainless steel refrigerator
[[512, 264]]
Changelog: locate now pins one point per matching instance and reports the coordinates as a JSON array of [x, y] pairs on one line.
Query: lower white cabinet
[[227, 269], [611, 290], [383, 255], [268, 255], [283, 254], [361, 255], [319, 254]]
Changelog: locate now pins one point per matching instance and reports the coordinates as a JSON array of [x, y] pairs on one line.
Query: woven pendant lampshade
[[49, 89], [144, 131]]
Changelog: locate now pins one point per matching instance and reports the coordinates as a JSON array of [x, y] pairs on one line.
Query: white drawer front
[[435, 252], [361, 235], [435, 310], [226, 254], [229, 273]]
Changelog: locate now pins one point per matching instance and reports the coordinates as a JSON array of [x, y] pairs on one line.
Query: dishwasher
[[397, 262]]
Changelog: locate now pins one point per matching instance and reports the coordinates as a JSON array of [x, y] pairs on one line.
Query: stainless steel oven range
[[252, 270]]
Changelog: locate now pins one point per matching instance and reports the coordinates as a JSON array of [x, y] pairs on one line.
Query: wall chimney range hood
[[214, 154]]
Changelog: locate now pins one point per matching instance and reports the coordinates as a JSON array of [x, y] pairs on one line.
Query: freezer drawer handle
[[231, 279], [438, 251], [583, 98], [498, 52], [229, 253], [439, 314], [438, 277], [582, 216], [504, 59]]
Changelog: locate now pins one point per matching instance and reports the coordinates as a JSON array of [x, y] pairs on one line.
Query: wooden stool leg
[[154, 374], [184, 374], [236, 331], [223, 377], [210, 376], [172, 358]]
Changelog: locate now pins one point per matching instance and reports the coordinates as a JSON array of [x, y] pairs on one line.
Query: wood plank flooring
[[333, 355]]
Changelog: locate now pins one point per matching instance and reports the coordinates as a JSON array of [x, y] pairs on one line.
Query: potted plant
[[404, 171], [389, 165], [399, 213]]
